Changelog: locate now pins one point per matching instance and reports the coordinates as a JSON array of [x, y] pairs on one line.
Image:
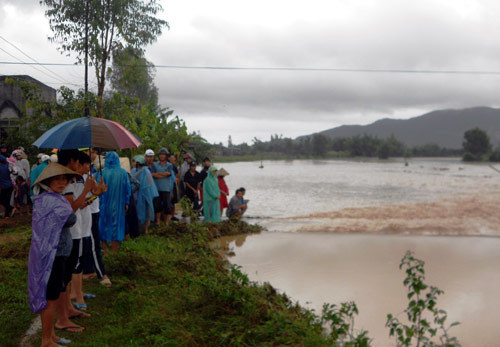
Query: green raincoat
[[211, 206]]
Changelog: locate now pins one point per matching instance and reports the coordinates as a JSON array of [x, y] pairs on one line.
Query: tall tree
[[133, 75], [476, 143], [111, 23]]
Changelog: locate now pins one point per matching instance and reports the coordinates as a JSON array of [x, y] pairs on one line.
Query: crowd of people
[[82, 205]]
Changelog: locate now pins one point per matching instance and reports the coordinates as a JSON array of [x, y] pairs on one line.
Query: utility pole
[[86, 57]]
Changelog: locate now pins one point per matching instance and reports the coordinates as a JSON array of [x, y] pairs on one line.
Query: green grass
[[15, 315], [169, 288]]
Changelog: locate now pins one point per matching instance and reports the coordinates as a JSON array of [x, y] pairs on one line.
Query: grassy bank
[[15, 315], [169, 288]]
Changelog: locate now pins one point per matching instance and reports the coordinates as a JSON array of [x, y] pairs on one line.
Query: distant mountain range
[[445, 128]]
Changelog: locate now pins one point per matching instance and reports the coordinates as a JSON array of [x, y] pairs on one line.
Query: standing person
[[162, 172], [4, 150], [149, 157], [211, 192], [38, 161], [22, 164], [21, 196], [206, 166], [69, 159], [224, 190], [6, 187], [114, 202], [50, 246], [97, 265], [146, 193], [182, 172], [175, 185], [76, 192], [203, 174], [132, 226], [45, 159], [237, 204], [192, 179]]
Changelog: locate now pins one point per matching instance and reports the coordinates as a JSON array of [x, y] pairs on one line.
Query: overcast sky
[[338, 34]]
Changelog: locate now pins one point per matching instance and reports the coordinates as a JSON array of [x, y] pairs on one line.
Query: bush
[[469, 157], [494, 156], [422, 304]]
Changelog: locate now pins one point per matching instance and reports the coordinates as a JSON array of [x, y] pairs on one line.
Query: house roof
[[27, 78]]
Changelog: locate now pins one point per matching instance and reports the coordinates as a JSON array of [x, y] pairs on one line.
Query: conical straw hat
[[54, 169], [222, 172]]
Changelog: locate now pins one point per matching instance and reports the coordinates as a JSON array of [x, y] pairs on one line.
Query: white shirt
[[94, 206], [83, 225]]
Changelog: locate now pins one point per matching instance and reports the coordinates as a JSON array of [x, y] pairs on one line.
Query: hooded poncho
[[114, 200], [211, 207], [50, 213], [145, 195], [35, 173]]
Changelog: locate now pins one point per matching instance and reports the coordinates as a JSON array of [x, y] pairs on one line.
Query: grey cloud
[[399, 35]]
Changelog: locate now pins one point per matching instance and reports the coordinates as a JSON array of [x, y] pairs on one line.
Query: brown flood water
[[338, 230], [314, 268]]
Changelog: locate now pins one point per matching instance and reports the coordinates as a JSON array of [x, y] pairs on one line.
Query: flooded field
[[441, 196], [338, 229]]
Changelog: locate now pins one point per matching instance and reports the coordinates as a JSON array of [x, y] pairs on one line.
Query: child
[[21, 196], [50, 246]]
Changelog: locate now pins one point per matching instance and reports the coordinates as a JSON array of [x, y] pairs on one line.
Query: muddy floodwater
[[314, 268], [336, 231]]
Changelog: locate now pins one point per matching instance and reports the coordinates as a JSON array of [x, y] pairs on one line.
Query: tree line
[[319, 145]]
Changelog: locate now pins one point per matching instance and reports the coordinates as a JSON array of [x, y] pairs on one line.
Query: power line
[[21, 62], [29, 57], [398, 71]]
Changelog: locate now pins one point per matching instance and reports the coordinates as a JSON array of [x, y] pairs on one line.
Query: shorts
[[72, 264], [87, 258], [56, 284], [163, 203]]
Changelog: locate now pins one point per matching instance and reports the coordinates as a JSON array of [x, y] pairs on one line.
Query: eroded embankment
[[471, 215]]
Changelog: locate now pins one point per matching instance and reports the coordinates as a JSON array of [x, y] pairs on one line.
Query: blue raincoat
[[211, 206], [114, 200], [145, 195], [50, 213]]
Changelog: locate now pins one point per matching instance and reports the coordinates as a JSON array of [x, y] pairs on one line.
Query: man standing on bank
[[162, 171]]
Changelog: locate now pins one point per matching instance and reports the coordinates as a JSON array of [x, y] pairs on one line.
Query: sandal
[[63, 341], [81, 307], [71, 327], [89, 296], [106, 282], [79, 314]]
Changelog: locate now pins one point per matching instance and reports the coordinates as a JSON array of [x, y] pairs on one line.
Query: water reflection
[[223, 243]]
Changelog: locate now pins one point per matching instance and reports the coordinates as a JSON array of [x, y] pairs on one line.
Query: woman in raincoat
[[224, 190], [114, 202], [51, 245], [211, 196], [146, 193]]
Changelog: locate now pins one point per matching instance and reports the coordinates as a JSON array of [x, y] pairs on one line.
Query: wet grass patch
[[169, 288]]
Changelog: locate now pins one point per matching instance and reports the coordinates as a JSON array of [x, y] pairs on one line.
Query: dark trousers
[[95, 265], [194, 200], [132, 221], [5, 194]]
